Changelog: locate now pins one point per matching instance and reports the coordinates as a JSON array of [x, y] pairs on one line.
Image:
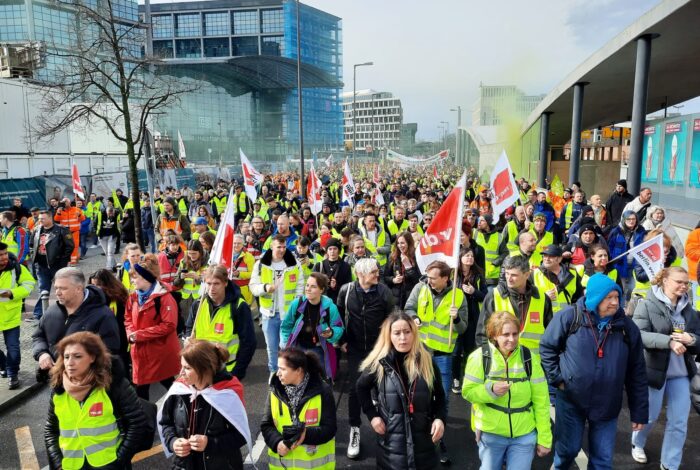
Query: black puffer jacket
[[654, 319], [315, 435], [364, 314], [224, 444], [93, 315], [130, 419], [407, 443]]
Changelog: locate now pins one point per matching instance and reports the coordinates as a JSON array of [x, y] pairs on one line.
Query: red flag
[[77, 187], [441, 239], [313, 191], [435, 174], [348, 185], [375, 177], [444, 154], [222, 250]]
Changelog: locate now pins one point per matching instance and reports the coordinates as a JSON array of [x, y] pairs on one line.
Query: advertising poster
[[674, 153], [651, 149], [695, 156]]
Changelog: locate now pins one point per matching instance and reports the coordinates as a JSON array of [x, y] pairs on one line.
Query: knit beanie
[[599, 286], [623, 183]]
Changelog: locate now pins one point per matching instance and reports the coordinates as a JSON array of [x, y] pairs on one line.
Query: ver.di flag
[[441, 239], [77, 187], [251, 177], [505, 191], [348, 185], [181, 147], [313, 191], [650, 255], [378, 197], [222, 249]]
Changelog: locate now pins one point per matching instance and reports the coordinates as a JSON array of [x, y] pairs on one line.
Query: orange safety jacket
[[70, 218]]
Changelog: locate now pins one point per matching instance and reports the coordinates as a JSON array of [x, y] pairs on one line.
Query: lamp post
[[301, 122], [458, 147], [442, 129], [354, 120], [372, 143], [447, 131]]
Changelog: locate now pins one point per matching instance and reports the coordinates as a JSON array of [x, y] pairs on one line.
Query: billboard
[[674, 153], [651, 150], [695, 156]]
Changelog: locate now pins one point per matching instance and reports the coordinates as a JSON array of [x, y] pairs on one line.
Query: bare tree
[[104, 78]]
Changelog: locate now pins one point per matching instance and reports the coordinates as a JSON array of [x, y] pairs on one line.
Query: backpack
[[578, 320], [486, 359], [150, 411]]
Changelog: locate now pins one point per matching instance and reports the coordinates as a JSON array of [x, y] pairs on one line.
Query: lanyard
[[409, 396], [598, 345]]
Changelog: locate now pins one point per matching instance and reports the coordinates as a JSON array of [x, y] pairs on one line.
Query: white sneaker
[[354, 443], [639, 455]]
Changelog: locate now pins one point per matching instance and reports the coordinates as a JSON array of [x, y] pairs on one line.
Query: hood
[[225, 381], [529, 289], [233, 293], [11, 263], [288, 258], [95, 299]]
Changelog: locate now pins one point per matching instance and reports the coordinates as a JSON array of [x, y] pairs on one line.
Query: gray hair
[[239, 237], [365, 265], [517, 262], [75, 275]]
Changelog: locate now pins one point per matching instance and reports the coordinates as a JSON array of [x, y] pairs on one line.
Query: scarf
[[79, 390], [144, 295], [295, 393]]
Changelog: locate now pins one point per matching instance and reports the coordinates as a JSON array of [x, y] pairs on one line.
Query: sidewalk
[[28, 385]]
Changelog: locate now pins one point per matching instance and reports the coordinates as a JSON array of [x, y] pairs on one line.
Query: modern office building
[[498, 104], [408, 138], [242, 54], [379, 117]]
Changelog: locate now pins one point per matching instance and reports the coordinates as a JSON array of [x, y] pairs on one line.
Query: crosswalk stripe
[[27, 454], [156, 449], [258, 448]]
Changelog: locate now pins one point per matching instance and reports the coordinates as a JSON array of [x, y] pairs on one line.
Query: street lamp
[[372, 128], [458, 147], [301, 122], [354, 120], [442, 129], [447, 131]]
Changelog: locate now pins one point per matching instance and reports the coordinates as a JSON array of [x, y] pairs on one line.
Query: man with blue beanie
[[590, 352]]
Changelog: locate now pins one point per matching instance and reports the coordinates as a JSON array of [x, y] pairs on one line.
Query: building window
[[12, 23], [272, 21], [188, 24], [245, 22], [163, 49], [247, 45], [162, 26], [216, 24], [188, 49], [273, 45], [216, 47]]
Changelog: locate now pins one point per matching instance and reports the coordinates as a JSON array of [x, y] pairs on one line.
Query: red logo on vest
[[96, 410], [534, 317], [292, 278], [311, 416], [219, 328]]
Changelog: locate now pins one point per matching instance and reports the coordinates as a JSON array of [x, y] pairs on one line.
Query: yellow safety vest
[[547, 239], [220, 203], [568, 215], [305, 456], [21, 288], [88, 431], [641, 288], [113, 307], [219, 330], [191, 289], [196, 235], [532, 328], [512, 236], [491, 250], [394, 229], [94, 208], [371, 248], [612, 274], [434, 329], [563, 295], [10, 240], [267, 276], [126, 281], [182, 205]]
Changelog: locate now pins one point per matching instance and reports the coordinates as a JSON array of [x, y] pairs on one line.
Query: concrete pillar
[[575, 155], [639, 111], [544, 148]]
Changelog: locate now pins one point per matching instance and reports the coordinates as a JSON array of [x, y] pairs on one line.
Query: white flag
[[348, 185], [313, 191], [329, 160], [181, 147], [251, 177], [505, 191], [650, 255]]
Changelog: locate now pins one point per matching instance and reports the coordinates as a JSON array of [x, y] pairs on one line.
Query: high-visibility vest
[[696, 297], [220, 204], [113, 307], [563, 294], [241, 203], [9, 238], [532, 329], [88, 431], [70, 218], [191, 288], [21, 287], [394, 229], [267, 276], [371, 248], [434, 329], [641, 288], [182, 205], [94, 208], [568, 215], [512, 231], [126, 281], [546, 240], [612, 274], [244, 265], [196, 235], [491, 251], [219, 330], [305, 456], [167, 223]]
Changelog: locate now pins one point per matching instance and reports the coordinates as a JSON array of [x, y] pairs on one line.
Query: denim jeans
[[44, 277], [677, 409], [150, 239], [108, 244], [355, 358], [83, 244], [516, 453], [10, 362], [628, 284], [271, 330], [444, 363], [568, 436]]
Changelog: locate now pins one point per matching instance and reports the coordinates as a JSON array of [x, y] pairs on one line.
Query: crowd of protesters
[[546, 308]]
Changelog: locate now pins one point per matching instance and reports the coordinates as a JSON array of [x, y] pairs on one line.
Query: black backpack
[[578, 320], [486, 360]]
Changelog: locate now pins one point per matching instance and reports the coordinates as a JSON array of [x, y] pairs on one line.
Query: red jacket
[[168, 266], [156, 353]]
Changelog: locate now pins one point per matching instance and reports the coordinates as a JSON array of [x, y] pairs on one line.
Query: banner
[[695, 156], [441, 239], [32, 191], [505, 191], [313, 191], [397, 157], [651, 148], [348, 186], [674, 153], [251, 177], [104, 183], [650, 255]]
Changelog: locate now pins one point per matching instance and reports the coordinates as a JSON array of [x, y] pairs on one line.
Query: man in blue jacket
[[590, 352]]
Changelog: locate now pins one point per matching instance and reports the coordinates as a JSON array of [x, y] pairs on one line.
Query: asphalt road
[[27, 418]]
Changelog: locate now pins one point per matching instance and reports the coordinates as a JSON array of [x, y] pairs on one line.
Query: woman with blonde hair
[[95, 419], [410, 404], [670, 330], [132, 255], [506, 386]]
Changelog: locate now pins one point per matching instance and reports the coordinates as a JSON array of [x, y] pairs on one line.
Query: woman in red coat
[[151, 322]]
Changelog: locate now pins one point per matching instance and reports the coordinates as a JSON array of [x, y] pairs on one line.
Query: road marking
[[581, 459], [258, 448], [27, 454], [157, 449]]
